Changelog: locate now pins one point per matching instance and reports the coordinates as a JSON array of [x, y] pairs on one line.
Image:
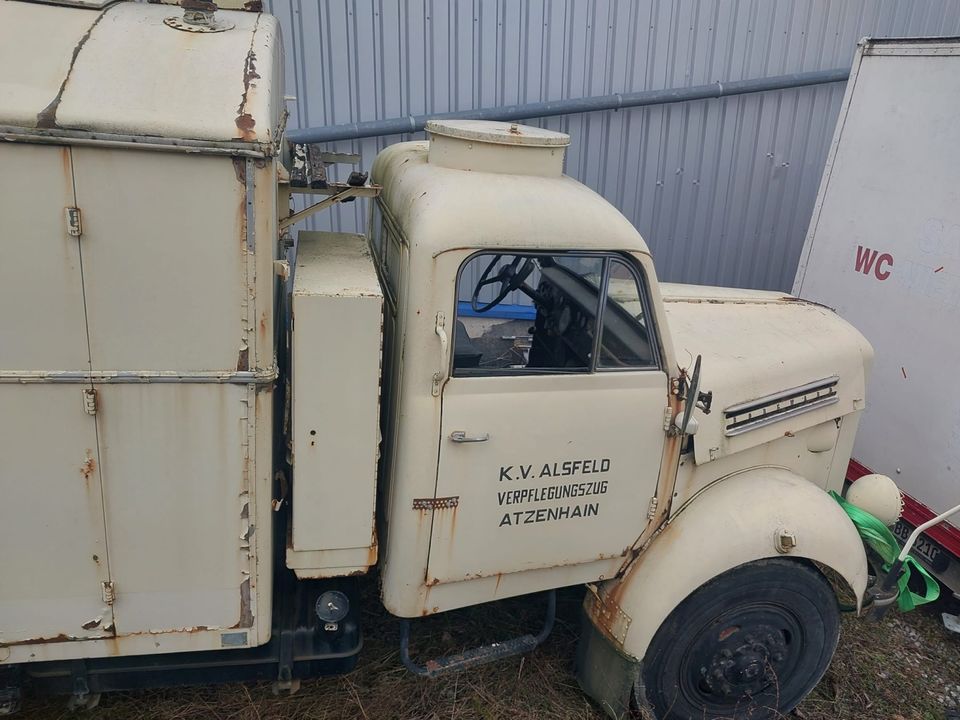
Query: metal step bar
[[479, 655]]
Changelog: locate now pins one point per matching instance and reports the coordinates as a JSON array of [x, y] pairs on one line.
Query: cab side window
[[625, 339], [542, 313], [533, 313]]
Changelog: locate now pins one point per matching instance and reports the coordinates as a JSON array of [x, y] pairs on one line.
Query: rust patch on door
[[89, 466], [240, 170], [243, 358], [246, 609]]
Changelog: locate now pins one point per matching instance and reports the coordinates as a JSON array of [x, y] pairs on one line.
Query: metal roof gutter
[[549, 108]]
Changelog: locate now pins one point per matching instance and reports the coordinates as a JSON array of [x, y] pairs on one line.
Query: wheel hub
[[743, 663]]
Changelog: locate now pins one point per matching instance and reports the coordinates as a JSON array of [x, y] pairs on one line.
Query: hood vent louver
[[769, 409]]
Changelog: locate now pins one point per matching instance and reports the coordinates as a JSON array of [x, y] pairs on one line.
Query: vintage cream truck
[[210, 430]]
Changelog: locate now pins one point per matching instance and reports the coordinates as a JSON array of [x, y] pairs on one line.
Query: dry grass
[[902, 669]]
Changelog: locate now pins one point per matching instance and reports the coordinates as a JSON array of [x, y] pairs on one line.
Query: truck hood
[[775, 364]]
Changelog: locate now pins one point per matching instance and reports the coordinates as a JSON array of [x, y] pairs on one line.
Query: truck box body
[[883, 249], [137, 353]]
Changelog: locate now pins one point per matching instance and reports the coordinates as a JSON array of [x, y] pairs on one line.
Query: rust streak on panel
[[607, 604], [89, 466], [67, 165], [43, 640], [240, 170], [244, 121]]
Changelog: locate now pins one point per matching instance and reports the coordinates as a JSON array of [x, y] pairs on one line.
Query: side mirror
[[687, 424], [692, 426]]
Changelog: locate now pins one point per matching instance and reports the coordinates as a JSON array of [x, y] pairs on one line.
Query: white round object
[[498, 133], [877, 495]]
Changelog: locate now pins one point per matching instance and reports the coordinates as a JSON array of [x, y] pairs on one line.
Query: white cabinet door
[[165, 279], [53, 555]]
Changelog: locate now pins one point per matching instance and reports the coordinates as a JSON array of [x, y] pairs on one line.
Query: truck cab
[[213, 427]]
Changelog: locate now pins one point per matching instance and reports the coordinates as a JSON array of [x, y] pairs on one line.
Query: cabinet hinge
[[652, 508], [90, 401], [74, 226], [108, 593], [667, 418]]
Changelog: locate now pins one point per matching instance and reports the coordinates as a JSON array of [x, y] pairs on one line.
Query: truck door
[[550, 448], [52, 537]]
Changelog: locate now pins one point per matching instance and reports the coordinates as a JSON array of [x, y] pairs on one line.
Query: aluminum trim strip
[[793, 412], [782, 395], [251, 235], [252, 377], [12, 133]]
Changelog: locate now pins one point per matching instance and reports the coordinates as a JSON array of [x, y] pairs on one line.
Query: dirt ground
[[907, 668]]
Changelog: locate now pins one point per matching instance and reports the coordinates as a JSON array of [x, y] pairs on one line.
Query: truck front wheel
[[750, 643]]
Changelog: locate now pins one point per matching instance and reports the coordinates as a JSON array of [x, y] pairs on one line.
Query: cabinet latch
[[74, 226], [90, 401]]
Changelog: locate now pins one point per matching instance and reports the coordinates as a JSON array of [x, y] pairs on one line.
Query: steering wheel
[[511, 277]]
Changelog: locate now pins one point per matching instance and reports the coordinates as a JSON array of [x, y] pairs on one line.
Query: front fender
[[734, 521]]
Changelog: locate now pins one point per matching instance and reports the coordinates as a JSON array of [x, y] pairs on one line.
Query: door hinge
[[652, 508], [441, 332], [667, 418], [108, 592], [74, 226], [90, 403], [436, 503]]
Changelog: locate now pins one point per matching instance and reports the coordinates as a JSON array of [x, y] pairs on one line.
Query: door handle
[[460, 436]]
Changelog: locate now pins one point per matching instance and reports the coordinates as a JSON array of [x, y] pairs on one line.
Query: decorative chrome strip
[[772, 418], [782, 395], [770, 409], [252, 377]]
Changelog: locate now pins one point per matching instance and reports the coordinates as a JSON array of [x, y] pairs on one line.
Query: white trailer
[[883, 249]]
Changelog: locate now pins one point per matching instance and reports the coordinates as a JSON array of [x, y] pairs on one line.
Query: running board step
[[479, 655]]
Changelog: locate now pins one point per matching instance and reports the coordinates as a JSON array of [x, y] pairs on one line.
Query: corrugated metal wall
[[722, 190]]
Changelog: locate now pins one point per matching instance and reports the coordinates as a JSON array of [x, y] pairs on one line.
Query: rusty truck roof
[[122, 70]]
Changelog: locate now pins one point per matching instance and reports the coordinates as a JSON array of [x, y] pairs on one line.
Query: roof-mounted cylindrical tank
[[496, 147]]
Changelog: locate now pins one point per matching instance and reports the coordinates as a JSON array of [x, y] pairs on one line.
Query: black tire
[[751, 643]]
